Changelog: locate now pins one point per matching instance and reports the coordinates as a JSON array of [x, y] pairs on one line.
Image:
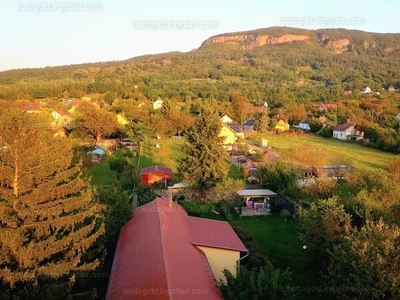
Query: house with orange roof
[[61, 118], [162, 253], [325, 106], [34, 107]]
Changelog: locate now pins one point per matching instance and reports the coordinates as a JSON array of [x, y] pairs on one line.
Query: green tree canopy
[[367, 262], [257, 284], [322, 226], [204, 163], [96, 123]]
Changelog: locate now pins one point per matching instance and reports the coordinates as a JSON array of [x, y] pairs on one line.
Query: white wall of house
[[343, 135], [304, 126]]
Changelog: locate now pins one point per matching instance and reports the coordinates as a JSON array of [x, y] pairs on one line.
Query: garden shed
[[154, 174]]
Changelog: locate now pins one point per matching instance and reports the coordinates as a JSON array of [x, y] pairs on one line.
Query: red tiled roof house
[[153, 174], [162, 253]]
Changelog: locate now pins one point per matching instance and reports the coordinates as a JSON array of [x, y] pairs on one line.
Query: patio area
[[256, 202], [248, 212]]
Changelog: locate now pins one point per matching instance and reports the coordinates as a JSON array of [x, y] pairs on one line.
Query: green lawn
[[235, 172], [280, 244], [101, 174], [362, 158]]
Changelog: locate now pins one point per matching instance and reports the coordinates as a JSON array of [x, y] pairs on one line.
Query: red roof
[[223, 236], [155, 169], [156, 257], [31, 106], [61, 112]]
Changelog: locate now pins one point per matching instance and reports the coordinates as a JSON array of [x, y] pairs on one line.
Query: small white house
[[366, 90], [158, 103], [398, 116], [344, 131], [304, 124]]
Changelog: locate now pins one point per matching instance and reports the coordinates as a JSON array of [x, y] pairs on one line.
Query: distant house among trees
[[305, 123], [248, 125], [366, 90], [281, 124], [34, 107], [228, 135], [226, 119], [344, 131], [325, 106], [122, 120], [158, 103], [61, 118]]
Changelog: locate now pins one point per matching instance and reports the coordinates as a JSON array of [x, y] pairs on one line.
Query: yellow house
[[162, 248], [122, 120], [220, 259], [228, 134], [281, 125]]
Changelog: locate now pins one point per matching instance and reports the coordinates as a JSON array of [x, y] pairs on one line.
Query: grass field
[[363, 158], [279, 243], [167, 154]]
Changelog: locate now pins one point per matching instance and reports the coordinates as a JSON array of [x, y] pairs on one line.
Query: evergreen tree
[[205, 157], [49, 223], [261, 123]]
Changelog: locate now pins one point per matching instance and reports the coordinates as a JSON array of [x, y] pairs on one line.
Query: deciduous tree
[[96, 123], [365, 262], [322, 226]]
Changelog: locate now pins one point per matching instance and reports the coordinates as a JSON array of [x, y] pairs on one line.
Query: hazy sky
[[40, 33]]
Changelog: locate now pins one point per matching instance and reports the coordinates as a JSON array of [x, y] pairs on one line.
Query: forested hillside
[[288, 72]]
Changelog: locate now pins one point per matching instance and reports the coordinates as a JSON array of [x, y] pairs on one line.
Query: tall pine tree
[[205, 163], [49, 222]]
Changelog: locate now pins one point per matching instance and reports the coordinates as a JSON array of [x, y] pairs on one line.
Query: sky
[[37, 34]]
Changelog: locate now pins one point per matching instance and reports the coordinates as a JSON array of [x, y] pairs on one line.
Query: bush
[[198, 208], [255, 258], [145, 194], [224, 208], [118, 165]]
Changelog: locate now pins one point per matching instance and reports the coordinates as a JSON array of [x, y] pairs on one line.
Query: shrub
[[198, 208]]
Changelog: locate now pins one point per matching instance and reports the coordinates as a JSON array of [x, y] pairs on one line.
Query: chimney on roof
[[169, 197], [348, 120]]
